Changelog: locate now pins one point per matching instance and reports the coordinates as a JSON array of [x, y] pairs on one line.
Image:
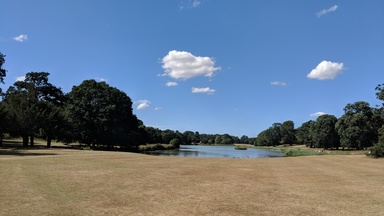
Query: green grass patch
[[296, 151], [154, 147]]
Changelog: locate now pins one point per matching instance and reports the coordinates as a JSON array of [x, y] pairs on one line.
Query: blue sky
[[213, 66]]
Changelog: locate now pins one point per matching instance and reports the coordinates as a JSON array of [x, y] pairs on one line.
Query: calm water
[[216, 152]]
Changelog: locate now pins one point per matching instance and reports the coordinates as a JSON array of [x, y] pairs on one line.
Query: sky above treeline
[[213, 66]]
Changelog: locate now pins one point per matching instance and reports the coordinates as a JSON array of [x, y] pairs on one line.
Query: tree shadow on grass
[[15, 148], [16, 152]]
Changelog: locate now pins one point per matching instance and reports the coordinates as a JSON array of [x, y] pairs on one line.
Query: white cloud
[[20, 78], [189, 4], [101, 79], [157, 108], [326, 70], [278, 83], [325, 11], [169, 84], [203, 90], [316, 114], [196, 3], [143, 104], [184, 65], [21, 38]]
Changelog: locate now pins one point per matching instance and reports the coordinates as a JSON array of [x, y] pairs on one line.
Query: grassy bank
[[154, 147], [302, 150]]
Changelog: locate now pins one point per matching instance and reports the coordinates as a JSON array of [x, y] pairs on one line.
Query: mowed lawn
[[74, 182]]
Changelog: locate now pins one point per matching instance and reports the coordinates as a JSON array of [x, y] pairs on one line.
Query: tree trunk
[[49, 140], [1, 141], [32, 141], [25, 141]]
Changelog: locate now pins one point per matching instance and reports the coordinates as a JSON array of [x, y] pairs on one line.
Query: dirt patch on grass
[[72, 182]]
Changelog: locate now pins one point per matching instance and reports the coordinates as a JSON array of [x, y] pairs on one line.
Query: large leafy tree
[[323, 132], [33, 106], [287, 132], [380, 92], [2, 110], [303, 134], [101, 115], [358, 126], [270, 136], [3, 72]]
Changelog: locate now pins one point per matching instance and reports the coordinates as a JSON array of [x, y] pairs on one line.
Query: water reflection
[[216, 152]]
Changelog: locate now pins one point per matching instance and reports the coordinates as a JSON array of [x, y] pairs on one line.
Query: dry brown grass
[[73, 182]]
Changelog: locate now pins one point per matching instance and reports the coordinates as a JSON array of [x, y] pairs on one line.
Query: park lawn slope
[[73, 182]]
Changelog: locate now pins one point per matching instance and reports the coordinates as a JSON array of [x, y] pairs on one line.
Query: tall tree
[[358, 126], [101, 115], [3, 72], [380, 92], [33, 104], [303, 134], [323, 132], [287, 132]]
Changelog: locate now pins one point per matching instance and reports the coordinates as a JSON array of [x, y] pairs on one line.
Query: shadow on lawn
[[16, 152], [16, 148]]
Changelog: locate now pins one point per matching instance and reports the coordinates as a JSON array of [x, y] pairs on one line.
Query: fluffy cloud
[[189, 4], [21, 38], [278, 83], [184, 65], [196, 3], [325, 11], [203, 90], [100, 79], [316, 114], [326, 70], [142, 104], [169, 84], [20, 78]]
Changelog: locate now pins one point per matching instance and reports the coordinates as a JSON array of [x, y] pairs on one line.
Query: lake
[[203, 151]]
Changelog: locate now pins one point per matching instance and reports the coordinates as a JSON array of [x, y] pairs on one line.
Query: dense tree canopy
[[303, 134], [3, 72], [101, 115], [32, 104], [323, 132], [288, 132], [358, 126]]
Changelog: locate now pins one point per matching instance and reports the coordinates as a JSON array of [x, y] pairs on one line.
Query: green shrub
[[175, 142], [377, 150]]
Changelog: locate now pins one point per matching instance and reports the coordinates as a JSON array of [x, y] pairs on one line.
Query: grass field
[[75, 182]]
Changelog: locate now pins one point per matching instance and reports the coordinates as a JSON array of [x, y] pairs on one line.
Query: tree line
[[360, 127], [92, 113]]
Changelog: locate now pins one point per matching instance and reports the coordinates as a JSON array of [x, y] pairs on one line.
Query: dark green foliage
[[3, 72], [380, 92], [323, 132], [358, 126], [303, 134], [33, 106], [287, 132], [175, 142], [377, 150], [245, 140], [270, 137], [101, 115], [225, 139]]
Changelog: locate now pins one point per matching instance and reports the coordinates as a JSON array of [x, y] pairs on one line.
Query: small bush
[[87, 148], [175, 142], [376, 151]]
